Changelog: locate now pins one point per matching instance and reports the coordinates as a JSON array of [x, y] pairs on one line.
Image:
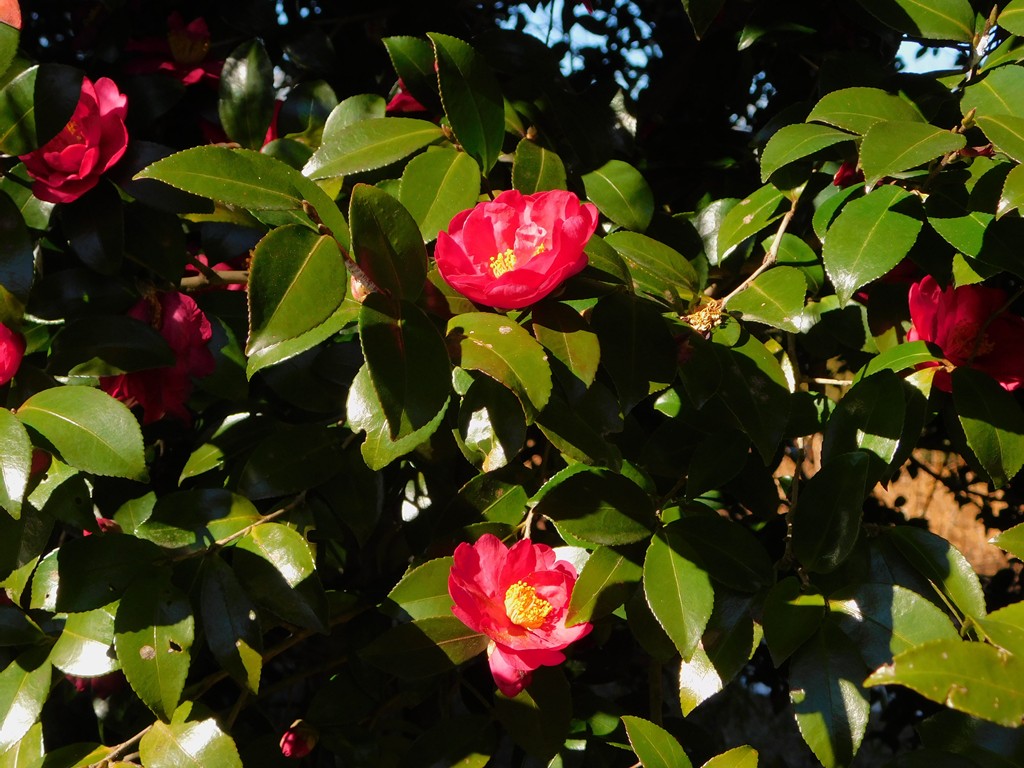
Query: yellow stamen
[[524, 607], [503, 262]]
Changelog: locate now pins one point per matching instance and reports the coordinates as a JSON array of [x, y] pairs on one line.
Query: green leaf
[[857, 109], [16, 448], [413, 59], [830, 705], [1011, 17], [566, 335], [386, 242], [491, 425], [728, 552], [230, 624], [1005, 628], [655, 267], [28, 751], [191, 521], [106, 345], [94, 226], [154, 629], [24, 686], [946, 569], [276, 566], [9, 36], [750, 216], [95, 570], [16, 628], [654, 746], [90, 430], [407, 361], [424, 648], [740, 757], [999, 92], [294, 285], [870, 418], [17, 261], [1006, 132], [86, 644], [621, 193], [538, 719], [535, 169], [472, 98], [185, 743], [678, 591], [792, 615], [36, 105], [437, 185], [246, 103], [364, 106], [898, 359], [926, 19], [346, 314], [423, 591], [702, 13], [505, 351], [729, 642], [970, 677], [369, 144], [869, 237], [607, 580], [992, 421], [827, 516], [1012, 541], [1012, 197], [289, 460], [886, 619], [775, 298], [598, 506], [795, 142], [890, 147]]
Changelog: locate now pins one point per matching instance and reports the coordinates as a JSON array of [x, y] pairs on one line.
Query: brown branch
[[770, 256]]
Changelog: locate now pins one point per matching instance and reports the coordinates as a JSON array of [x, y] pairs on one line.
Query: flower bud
[[299, 740]]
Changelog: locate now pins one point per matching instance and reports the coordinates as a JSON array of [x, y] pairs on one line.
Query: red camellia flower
[[518, 598], [970, 327], [299, 740], [71, 163], [516, 249], [182, 54], [164, 391], [12, 349], [403, 102]]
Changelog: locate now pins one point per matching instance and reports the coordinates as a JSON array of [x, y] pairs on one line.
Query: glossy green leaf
[[535, 169], [413, 59], [750, 216], [17, 261], [90, 430], [36, 105], [369, 144], [86, 644], [599, 507], [1012, 197], [999, 92], [926, 20], [566, 335], [386, 242], [576, 436], [491, 425], [289, 460], [345, 315], [16, 449], [795, 142], [364, 106], [622, 194], [28, 751], [890, 147], [775, 298], [609, 577], [24, 687], [436, 185], [655, 267], [192, 520], [729, 642], [857, 109], [827, 516], [1005, 627], [830, 705], [992, 421], [945, 568], [154, 630], [1011, 17], [502, 349], [1012, 541], [1006, 132], [678, 591], [9, 36], [886, 619], [538, 718], [471, 97], [654, 746], [16, 628], [425, 647], [95, 570], [276, 566], [728, 552], [295, 285], [423, 591], [898, 359], [231, 624], [870, 418], [792, 615], [186, 743], [870, 236], [407, 362], [246, 103], [970, 677], [739, 757], [106, 345]]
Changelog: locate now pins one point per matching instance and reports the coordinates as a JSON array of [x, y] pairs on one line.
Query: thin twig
[[771, 256], [832, 382], [244, 531], [219, 277], [123, 747]]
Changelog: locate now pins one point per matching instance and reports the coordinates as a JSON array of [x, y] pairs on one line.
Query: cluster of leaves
[[664, 419]]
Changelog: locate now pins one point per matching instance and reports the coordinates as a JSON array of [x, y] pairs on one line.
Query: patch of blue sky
[[920, 60]]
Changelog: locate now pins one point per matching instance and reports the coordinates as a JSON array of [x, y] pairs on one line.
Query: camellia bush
[[509, 385]]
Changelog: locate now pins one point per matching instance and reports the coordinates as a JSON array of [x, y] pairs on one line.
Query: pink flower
[[970, 327], [71, 163], [164, 391], [518, 598], [403, 101], [12, 349], [299, 740], [516, 249]]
